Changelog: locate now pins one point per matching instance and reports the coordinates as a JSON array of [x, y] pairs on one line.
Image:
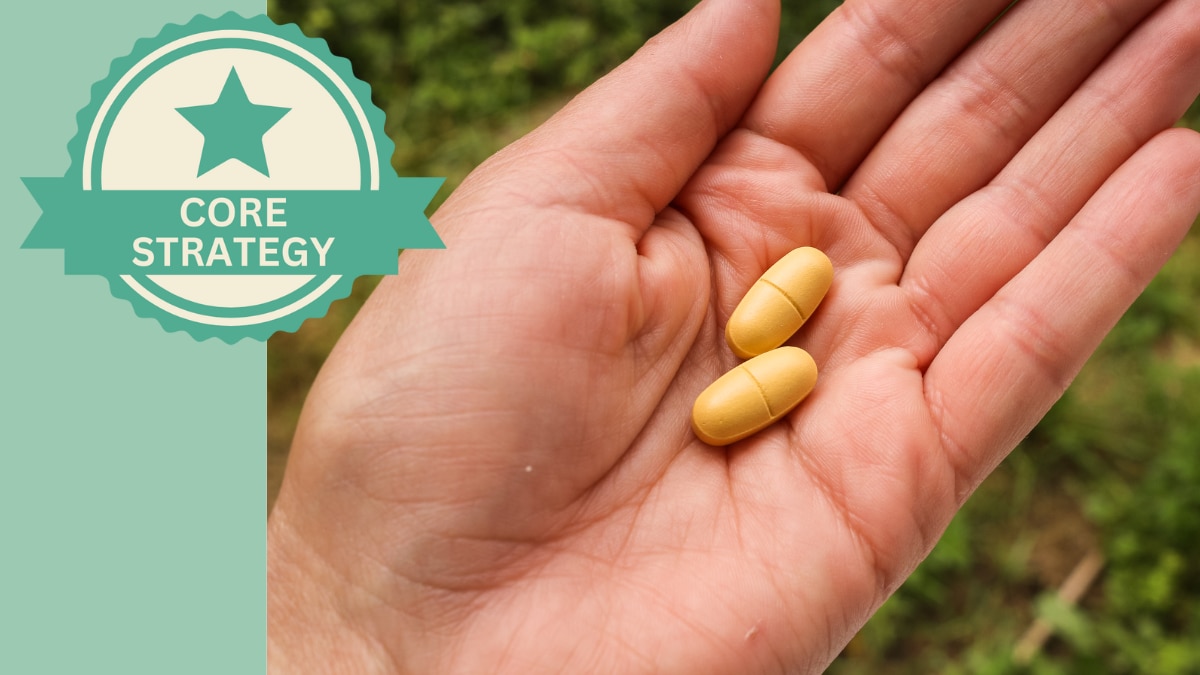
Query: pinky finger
[[1010, 361]]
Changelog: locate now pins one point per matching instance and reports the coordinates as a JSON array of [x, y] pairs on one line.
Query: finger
[[981, 243], [625, 146], [971, 121], [843, 86], [1012, 359]]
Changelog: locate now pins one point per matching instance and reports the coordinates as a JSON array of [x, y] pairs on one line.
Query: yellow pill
[[753, 395], [779, 302]]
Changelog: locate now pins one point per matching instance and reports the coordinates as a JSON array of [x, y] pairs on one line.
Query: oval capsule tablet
[[779, 302], [753, 395]]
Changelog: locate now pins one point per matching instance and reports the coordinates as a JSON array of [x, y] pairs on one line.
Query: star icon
[[233, 127]]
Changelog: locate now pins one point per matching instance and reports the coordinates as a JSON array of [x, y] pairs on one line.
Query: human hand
[[495, 471]]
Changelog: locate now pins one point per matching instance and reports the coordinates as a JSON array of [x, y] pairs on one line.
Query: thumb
[[624, 147]]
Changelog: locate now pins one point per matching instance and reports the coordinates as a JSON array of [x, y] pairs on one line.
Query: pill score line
[[730, 409]]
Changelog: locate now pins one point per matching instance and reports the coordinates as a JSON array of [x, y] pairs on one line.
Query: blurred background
[[1081, 554]]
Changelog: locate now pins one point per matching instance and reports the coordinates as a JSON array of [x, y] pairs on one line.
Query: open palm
[[495, 471]]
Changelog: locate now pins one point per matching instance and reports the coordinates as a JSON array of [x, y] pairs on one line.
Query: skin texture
[[495, 470]]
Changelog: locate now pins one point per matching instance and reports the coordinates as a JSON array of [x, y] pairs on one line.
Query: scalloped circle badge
[[231, 178]]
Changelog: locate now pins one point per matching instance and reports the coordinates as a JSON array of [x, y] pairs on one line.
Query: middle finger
[[968, 124]]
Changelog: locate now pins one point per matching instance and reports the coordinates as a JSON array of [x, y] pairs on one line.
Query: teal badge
[[231, 178]]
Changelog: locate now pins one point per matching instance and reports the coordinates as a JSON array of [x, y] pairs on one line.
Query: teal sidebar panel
[[132, 461]]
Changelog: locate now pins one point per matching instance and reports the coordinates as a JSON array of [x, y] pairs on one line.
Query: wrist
[[317, 619]]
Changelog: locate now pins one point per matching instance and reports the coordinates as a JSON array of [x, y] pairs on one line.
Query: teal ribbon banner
[[216, 232]]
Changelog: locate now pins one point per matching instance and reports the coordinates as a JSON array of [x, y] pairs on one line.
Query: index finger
[[842, 87]]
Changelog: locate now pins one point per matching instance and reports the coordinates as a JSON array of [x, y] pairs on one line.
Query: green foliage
[[452, 76], [442, 70], [1115, 465]]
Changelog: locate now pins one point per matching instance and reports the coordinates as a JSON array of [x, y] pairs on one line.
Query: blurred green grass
[[1114, 467]]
